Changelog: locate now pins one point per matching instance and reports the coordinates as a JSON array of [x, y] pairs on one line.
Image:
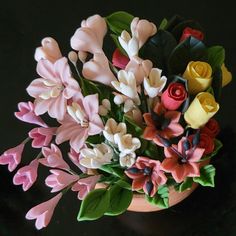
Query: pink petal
[[174, 130], [45, 69], [57, 108], [91, 105], [196, 155], [174, 116], [62, 69], [41, 106]]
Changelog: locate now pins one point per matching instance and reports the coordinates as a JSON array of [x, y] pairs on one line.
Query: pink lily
[[26, 113], [162, 123], [83, 120], [59, 180], [49, 50], [27, 175], [182, 165], [12, 157], [98, 70], [53, 158], [43, 212], [147, 175], [75, 158], [85, 185], [41, 136], [141, 68], [53, 89]]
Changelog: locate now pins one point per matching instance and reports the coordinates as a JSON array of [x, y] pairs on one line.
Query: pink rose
[[187, 32]]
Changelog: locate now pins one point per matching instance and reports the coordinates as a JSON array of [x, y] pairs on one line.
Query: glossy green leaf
[[132, 127], [215, 56], [112, 170], [163, 24], [94, 205], [207, 176], [187, 184], [95, 139], [124, 184], [120, 199], [119, 21]]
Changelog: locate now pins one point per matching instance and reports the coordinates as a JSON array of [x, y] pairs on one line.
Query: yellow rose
[[202, 108], [198, 74], [226, 75]]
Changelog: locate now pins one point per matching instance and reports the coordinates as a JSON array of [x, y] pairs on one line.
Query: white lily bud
[[118, 99], [82, 56], [73, 57], [102, 111], [127, 160], [106, 103]]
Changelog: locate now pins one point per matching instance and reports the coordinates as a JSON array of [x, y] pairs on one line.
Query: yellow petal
[[226, 75]]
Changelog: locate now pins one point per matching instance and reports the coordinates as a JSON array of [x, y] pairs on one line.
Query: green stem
[[26, 140]]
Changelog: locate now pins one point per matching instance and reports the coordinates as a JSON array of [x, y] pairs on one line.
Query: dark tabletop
[[22, 26]]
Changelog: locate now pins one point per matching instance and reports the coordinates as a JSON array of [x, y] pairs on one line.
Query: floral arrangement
[[140, 123]]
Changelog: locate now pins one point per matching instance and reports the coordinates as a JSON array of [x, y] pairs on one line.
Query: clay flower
[[43, 212], [141, 68], [127, 85], [187, 32], [154, 83], [98, 70], [26, 113], [94, 158], [27, 175], [162, 123], [85, 185], [53, 89], [53, 158], [112, 128], [83, 120], [41, 136], [59, 180], [12, 157], [119, 60], [49, 50], [127, 160], [89, 37], [75, 158], [226, 75], [211, 128], [146, 175], [183, 161]]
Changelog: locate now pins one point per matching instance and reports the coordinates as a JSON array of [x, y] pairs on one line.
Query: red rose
[[211, 128], [174, 96], [119, 60], [205, 142], [187, 32]]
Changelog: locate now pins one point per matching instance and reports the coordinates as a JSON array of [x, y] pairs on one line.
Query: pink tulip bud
[[119, 60], [59, 180], [27, 175], [85, 185], [12, 157], [26, 113], [41, 136], [43, 212]]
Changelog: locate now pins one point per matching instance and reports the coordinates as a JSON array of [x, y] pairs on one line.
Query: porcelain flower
[[53, 89], [127, 160], [226, 75], [82, 121], [75, 158], [119, 60], [94, 158], [154, 83]]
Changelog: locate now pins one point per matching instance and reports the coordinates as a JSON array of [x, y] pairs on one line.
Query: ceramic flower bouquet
[[139, 124]]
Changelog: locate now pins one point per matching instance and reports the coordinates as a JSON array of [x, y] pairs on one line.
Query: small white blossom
[[112, 128], [127, 160], [126, 143], [94, 158], [155, 83], [105, 107]]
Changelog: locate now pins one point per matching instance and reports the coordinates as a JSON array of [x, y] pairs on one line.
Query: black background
[[22, 26]]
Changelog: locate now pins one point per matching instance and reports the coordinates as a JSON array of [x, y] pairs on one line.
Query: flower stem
[[26, 140], [113, 68]]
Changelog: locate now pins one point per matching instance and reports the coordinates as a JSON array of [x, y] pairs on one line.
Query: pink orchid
[[83, 120], [59, 180], [26, 175], [89, 37], [162, 123], [12, 157], [53, 89], [97, 69], [49, 50], [75, 158], [183, 163], [43, 212], [26, 113], [41, 136], [85, 185], [119, 60], [142, 30], [53, 158], [147, 175], [140, 68]]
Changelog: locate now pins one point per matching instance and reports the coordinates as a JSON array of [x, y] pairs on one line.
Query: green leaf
[[124, 184], [190, 49], [215, 56], [132, 127], [94, 205], [112, 170], [119, 21], [210, 90], [187, 184], [217, 84], [152, 150], [161, 198], [207, 176], [89, 87], [120, 200], [95, 139], [158, 49], [117, 43], [163, 24]]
